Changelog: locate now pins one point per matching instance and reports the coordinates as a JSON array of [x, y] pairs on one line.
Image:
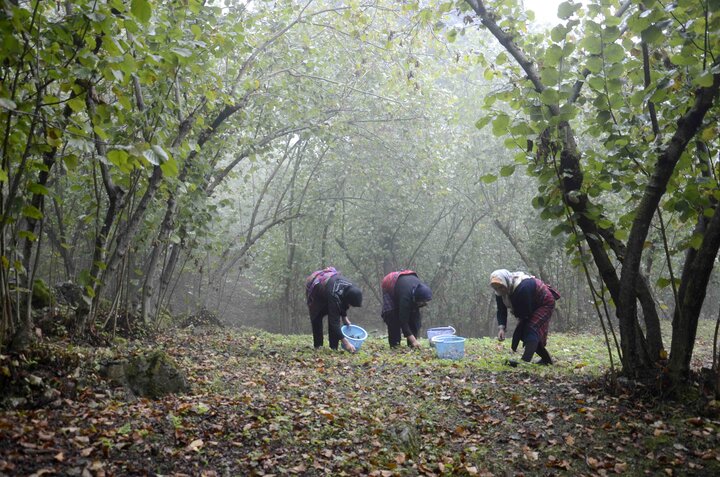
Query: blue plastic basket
[[355, 335], [439, 331], [450, 346]]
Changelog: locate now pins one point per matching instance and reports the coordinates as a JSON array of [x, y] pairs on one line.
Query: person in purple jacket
[[403, 296], [330, 294], [532, 302]]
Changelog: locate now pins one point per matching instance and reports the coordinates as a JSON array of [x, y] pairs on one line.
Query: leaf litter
[[264, 405]]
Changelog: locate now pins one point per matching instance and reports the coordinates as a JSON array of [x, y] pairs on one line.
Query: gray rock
[[152, 375]]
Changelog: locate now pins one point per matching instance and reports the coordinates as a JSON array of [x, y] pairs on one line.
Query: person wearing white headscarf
[[532, 302]]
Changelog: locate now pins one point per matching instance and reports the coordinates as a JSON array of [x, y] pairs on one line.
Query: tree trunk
[[571, 179], [692, 296]]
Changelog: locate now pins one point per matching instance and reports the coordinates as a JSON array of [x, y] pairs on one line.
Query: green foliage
[[611, 111]]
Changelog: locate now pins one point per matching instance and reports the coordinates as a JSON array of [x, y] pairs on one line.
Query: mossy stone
[[155, 375]]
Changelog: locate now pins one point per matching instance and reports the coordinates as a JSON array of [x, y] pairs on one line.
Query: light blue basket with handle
[[355, 335], [450, 346], [439, 331]]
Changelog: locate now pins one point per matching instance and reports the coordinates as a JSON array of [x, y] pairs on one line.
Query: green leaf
[[488, 178], [89, 293], [621, 234], [553, 56], [604, 224], [696, 241], [560, 228], [70, 161], [593, 45], [596, 82], [141, 9], [506, 171], [182, 52], [482, 122], [38, 189], [156, 155], [566, 10], [125, 429], [32, 212], [118, 158], [594, 64], [614, 53], [705, 79], [568, 112], [160, 152], [101, 133], [558, 33], [27, 235], [77, 104], [3, 175], [500, 124], [550, 76], [706, 135], [549, 96], [683, 59], [169, 168], [7, 103], [652, 35]]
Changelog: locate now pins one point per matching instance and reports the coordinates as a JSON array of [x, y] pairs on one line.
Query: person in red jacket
[[403, 296], [532, 302], [329, 293]]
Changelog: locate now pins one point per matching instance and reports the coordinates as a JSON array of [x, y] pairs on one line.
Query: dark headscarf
[[422, 293], [353, 296]]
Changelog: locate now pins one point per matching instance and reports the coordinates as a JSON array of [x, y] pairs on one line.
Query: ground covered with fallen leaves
[[265, 404]]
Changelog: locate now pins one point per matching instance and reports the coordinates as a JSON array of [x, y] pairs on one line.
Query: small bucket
[[355, 335], [439, 331], [450, 346]]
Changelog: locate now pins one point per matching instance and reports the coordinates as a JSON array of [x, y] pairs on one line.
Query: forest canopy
[[165, 158]]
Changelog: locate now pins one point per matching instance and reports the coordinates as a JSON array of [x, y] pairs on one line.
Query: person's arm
[[342, 311], [336, 314], [501, 317], [405, 308]]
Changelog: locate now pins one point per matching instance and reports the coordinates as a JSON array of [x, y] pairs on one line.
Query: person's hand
[[413, 341], [501, 334], [347, 321], [348, 346]]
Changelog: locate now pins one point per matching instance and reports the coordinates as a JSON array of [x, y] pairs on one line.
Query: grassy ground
[[265, 404]]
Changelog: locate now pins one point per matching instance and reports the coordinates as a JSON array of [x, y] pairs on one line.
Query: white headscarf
[[511, 280]]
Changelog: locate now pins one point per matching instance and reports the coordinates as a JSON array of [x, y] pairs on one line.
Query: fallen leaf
[[195, 445]]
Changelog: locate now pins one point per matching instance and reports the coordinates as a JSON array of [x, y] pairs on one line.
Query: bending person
[[532, 302], [329, 293], [403, 296]]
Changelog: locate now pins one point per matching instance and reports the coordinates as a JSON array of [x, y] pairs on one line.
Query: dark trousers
[[316, 321], [392, 320], [532, 347], [531, 342]]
